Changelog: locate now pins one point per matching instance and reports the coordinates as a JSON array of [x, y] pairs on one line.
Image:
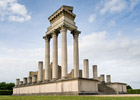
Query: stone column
[[86, 68], [55, 57], [64, 52], [34, 79], [95, 72], [108, 78], [47, 58], [102, 79], [29, 80], [17, 82], [20, 83], [24, 80], [40, 71], [76, 53]]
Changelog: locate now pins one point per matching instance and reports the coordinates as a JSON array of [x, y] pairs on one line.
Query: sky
[[110, 37]]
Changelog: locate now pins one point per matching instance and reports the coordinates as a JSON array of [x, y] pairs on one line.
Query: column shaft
[[75, 55], [55, 57], [17, 82], [40, 71], [24, 80], [108, 78], [47, 58], [95, 72], [20, 83], [102, 78], [29, 80], [34, 79], [64, 52], [86, 68]]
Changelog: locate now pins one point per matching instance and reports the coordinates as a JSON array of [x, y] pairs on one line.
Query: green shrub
[[133, 91], [6, 92], [6, 86]]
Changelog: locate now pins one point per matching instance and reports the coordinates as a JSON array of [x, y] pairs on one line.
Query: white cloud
[[13, 11], [113, 6], [111, 23], [92, 18], [118, 57], [133, 3]]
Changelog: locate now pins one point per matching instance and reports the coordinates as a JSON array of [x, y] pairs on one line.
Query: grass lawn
[[65, 98]]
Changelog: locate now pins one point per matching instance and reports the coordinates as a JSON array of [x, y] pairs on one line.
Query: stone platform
[[75, 86]]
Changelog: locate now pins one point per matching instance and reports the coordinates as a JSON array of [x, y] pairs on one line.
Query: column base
[[65, 77], [34, 82], [40, 81], [54, 79], [46, 81]]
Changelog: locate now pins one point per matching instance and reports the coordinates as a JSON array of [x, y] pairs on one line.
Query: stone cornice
[[62, 9], [116, 83]]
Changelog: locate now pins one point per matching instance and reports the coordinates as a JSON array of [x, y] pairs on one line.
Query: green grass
[[65, 98]]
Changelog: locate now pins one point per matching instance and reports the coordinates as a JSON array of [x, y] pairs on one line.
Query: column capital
[[47, 37], [75, 32], [17, 79], [56, 31], [64, 28]]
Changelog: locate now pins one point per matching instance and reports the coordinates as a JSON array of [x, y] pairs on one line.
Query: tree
[[129, 87], [6, 86]]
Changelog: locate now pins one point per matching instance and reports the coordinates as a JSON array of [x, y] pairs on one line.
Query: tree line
[[6, 86]]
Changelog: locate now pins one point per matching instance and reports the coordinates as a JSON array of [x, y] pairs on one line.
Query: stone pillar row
[[64, 61]]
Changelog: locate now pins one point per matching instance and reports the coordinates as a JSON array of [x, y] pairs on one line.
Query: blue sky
[[110, 29]]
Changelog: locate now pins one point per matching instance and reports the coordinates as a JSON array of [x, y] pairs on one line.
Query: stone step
[[103, 89]]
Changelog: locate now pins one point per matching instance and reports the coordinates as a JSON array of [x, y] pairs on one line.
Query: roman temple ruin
[[55, 79]]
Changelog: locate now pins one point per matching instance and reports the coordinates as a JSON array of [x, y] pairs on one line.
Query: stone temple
[[55, 79]]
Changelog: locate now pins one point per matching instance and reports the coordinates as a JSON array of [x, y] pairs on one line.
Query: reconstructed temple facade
[[55, 79]]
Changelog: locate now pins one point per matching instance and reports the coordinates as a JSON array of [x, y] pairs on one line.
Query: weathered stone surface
[[95, 72], [40, 71], [69, 86], [34, 79], [17, 82], [71, 74], [55, 57], [29, 80], [64, 52], [25, 80], [86, 68], [120, 88], [108, 78]]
